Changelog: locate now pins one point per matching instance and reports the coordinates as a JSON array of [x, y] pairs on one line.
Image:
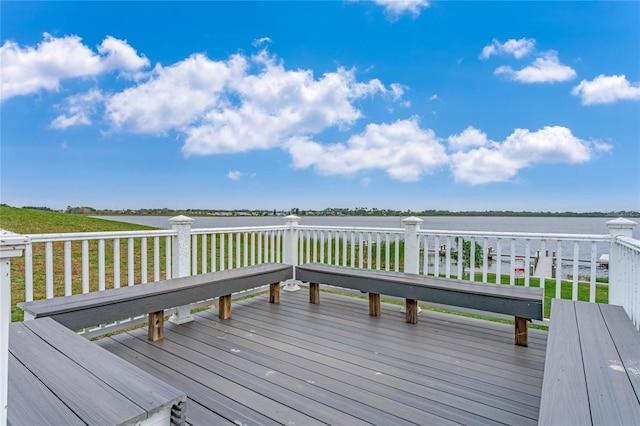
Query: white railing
[[567, 265], [624, 268], [358, 247]]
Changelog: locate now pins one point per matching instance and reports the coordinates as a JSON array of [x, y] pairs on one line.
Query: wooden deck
[[332, 363]]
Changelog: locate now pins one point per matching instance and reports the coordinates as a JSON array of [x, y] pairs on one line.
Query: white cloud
[[29, 70], [397, 90], [277, 104], [174, 96], [433, 97], [402, 149], [79, 108], [517, 48], [260, 41], [606, 90], [395, 8], [234, 175], [545, 69], [470, 137], [118, 55], [498, 162], [366, 181]]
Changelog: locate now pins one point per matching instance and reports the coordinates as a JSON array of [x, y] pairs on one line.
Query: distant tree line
[[333, 211]]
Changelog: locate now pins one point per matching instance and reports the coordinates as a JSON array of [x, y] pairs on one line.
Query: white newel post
[[411, 247], [290, 255], [181, 260], [618, 227], [11, 245]]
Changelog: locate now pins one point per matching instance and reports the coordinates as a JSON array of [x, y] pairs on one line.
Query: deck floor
[[297, 363]]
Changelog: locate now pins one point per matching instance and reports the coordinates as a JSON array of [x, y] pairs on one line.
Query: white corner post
[[181, 260], [290, 255], [618, 228], [11, 245], [411, 247]]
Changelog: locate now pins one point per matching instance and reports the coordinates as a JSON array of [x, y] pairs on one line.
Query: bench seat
[[592, 366], [524, 303], [90, 309], [53, 371]]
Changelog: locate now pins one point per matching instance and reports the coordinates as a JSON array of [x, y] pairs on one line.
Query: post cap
[[181, 220], [621, 223], [412, 220], [292, 218]]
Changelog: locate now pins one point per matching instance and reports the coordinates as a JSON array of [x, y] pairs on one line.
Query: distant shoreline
[[365, 212]]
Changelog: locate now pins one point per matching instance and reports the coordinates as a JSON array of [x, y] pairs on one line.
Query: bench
[[524, 303], [57, 377], [592, 366], [90, 309]]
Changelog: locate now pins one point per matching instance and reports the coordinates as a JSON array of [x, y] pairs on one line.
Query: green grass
[[28, 221]]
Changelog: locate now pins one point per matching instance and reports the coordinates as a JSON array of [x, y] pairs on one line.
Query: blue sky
[[403, 105]]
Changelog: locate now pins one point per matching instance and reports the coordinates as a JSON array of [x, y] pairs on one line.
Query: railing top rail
[[628, 242], [351, 229], [238, 229], [78, 236], [521, 235]]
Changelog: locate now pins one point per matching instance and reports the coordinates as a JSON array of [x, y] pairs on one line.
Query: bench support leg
[[374, 304], [274, 293], [314, 293], [155, 329], [224, 310], [522, 331], [412, 311]]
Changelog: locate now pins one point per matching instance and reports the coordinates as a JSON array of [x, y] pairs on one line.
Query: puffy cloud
[[79, 109], [174, 96], [470, 137], [402, 149], [395, 8], [517, 48], [606, 90], [29, 70], [277, 104], [497, 162], [545, 69]]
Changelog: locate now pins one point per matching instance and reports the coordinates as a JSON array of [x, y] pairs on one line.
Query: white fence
[[568, 265]]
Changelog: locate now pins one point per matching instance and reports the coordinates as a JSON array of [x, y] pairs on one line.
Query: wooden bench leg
[[224, 310], [522, 331], [412, 311], [374, 304], [155, 330], [314, 293], [274, 293]]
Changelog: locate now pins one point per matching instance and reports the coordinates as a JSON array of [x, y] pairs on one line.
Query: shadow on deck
[[295, 362]]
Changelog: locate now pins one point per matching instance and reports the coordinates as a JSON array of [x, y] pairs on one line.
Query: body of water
[[564, 225]]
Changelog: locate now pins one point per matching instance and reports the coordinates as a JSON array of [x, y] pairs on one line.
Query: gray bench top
[[84, 310], [53, 371], [525, 302], [592, 366]]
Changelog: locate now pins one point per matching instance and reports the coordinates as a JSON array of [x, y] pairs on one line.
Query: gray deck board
[[332, 363], [24, 388], [627, 342], [70, 382], [611, 396]]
